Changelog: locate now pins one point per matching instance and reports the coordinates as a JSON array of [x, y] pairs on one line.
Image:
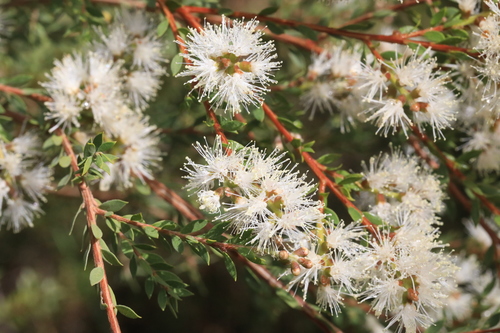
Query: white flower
[[142, 87], [478, 233], [19, 213], [36, 181], [390, 115], [230, 64], [255, 192], [4, 193], [342, 237], [81, 83], [319, 97], [410, 319], [469, 6], [210, 201], [138, 142], [328, 297], [371, 81]]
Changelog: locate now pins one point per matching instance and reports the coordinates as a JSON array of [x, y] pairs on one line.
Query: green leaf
[[452, 40], [250, 255], [307, 32], [352, 178], [177, 244], [89, 150], [96, 231], [86, 166], [165, 224], [475, 211], [96, 275], [162, 299], [225, 11], [359, 26], [113, 205], [215, 233], [176, 64], [275, 29], [435, 36], [373, 218], [57, 140], [493, 320], [145, 247], [259, 114], [64, 180], [97, 141], [194, 226], [384, 13], [106, 146], [232, 125], [113, 224], [438, 17], [111, 258], [354, 213], [288, 299], [151, 232], [162, 28], [74, 218], [18, 80], [149, 286], [171, 4], [268, 11], [328, 158], [169, 277], [65, 161], [127, 312], [390, 55], [200, 250], [332, 215], [231, 268], [111, 158]]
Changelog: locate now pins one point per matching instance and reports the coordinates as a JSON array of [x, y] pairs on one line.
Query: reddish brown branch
[[20, 92], [184, 207], [91, 211], [317, 168], [396, 38]]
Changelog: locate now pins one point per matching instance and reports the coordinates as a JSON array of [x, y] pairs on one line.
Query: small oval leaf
[[127, 312], [96, 275]]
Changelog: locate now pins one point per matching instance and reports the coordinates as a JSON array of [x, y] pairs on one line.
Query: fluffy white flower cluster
[[477, 118], [256, 193], [412, 85], [230, 63], [329, 84], [406, 187], [260, 194], [401, 267], [489, 47], [113, 84], [407, 272], [474, 288], [469, 7], [133, 36], [23, 181]]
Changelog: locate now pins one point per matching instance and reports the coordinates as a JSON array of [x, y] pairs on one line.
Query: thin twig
[[317, 168], [91, 210], [396, 38]]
